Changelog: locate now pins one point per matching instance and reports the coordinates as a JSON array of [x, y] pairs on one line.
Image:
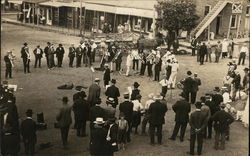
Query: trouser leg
[[199, 142], [192, 143], [193, 97], [176, 130], [209, 128], [159, 133], [183, 129], [223, 138], [243, 58], [36, 60], [217, 139], [144, 124], [152, 133]]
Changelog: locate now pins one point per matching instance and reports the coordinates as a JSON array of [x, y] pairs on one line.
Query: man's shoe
[[190, 153], [171, 139]]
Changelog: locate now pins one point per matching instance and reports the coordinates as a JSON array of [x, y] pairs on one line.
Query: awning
[[15, 2], [100, 7], [135, 12], [53, 4], [74, 4]]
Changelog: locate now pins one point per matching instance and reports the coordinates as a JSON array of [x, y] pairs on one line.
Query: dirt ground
[[38, 90]]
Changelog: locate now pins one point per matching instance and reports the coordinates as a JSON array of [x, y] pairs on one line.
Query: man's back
[[222, 120], [198, 120], [28, 129], [188, 84], [157, 112], [127, 108], [181, 109]]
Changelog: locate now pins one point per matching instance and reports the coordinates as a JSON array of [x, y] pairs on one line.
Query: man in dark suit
[[126, 108], [38, 52], [188, 84], [8, 64], [28, 132], [94, 92], [59, 54], [213, 109], [25, 55], [203, 52], [112, 136], [64, 121], [156, 113], [196, 84], [197, 122], [81, 111], [113, 92], [217, 97], [193, 45], [71, 55], [79, 53], [222, 120], [181, 109], [96, 111], [46, 51]]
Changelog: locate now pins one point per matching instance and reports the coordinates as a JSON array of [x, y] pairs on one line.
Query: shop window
[[248, 11], [233, 21]]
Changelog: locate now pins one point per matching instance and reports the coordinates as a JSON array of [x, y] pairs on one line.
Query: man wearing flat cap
[[81, 111], [25, 55], [113, 92], [222, 120], [94, 92], [188, 84], [126, 108], [28, 132]]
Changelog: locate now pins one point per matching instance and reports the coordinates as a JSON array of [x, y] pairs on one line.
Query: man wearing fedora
[[188, 84], [197, 122], [106, 75], [126, 108], [25, 55], [71, 55], [182, 109], [79, 53], [94, 92], [8, 65], [81, 111], [156, 111], [46, 52], [59, 54], [217, 97], [38, 52], [113, 92], [64, 120], [222, 120], [135, 91], [28, 132]]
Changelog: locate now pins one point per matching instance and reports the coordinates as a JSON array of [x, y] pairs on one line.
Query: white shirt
[[38, 51], [226, 97], [175, 67], [137, 106], [164, 82], [224, 46], [129, 60], [135, 54], [148, 103], [244, 49], [93, 46], [5, 118]]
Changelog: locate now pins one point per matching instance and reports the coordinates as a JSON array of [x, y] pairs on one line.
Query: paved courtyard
[[38, 90]]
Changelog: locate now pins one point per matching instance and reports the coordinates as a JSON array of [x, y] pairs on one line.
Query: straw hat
[[99, 121]]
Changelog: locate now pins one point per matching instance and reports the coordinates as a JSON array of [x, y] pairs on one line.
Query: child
[[122, 130]]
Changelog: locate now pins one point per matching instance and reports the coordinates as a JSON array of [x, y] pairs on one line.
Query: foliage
[[177, 14]]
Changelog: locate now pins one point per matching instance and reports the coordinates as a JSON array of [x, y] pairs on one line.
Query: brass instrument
[[116, 56], [150, 57]]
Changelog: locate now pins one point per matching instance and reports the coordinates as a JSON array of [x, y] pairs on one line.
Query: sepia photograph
[[124, 77]]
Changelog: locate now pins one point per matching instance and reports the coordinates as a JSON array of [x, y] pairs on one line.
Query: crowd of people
[[110, 127]]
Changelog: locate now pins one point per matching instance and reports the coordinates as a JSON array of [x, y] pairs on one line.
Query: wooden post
[[33, 12], [38, 14], [229, 27], [238, 26], [114, 23], [208, 33], [24, 15], [81, 18], [58, 16], [84, 20]]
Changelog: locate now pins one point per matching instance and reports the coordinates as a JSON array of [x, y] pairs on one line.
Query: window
[[207, 9], [248, 11], [233, 21]]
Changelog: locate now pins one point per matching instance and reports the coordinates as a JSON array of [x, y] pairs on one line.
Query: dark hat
[[25, 44], [60, 44], [246, 69], [136, 84], [189, 72], [29, 112], [65, 99], [113, 81], [138, 96], [217, 89], [98, 101], [182, 94], [203, 99], [198, 105], [48, 43], [83, 94], [112, 119], [222, 105]]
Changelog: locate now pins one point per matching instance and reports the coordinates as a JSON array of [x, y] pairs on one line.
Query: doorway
[[218, 21]]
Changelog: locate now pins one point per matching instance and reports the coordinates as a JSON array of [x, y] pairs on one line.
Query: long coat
[[181, 109], [28, 130], [94, 94], [198, 120], [188, 84], [64, 117], [222, 120], [81, 109], [127, 108], [157, 112]]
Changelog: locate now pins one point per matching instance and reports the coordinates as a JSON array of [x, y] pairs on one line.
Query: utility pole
[[81, 19]]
